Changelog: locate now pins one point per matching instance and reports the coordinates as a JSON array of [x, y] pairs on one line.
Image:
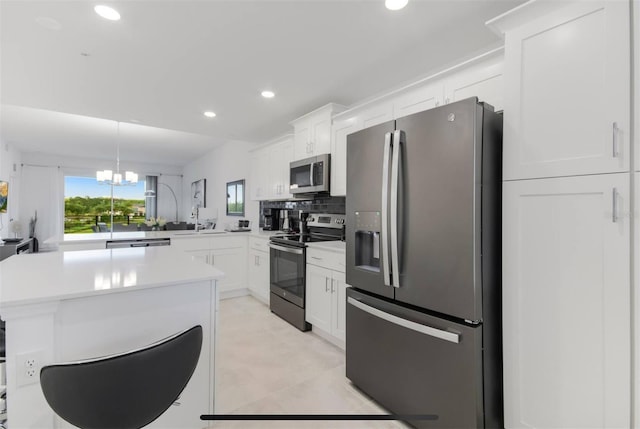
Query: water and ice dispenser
[[367, 241]]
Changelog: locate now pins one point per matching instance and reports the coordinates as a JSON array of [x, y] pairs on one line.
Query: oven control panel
[[326, 220]]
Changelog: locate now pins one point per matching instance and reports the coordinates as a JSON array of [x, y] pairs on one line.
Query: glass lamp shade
[[117, 179]]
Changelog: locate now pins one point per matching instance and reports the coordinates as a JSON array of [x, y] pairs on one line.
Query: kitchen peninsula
[[69, 306]]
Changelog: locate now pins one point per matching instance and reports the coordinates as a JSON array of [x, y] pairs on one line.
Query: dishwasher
[[138, 242]]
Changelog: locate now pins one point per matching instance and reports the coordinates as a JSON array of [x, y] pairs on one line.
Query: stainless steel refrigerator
[[423, 262]]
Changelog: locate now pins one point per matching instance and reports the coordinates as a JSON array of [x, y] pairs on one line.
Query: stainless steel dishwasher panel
[[139, 242]]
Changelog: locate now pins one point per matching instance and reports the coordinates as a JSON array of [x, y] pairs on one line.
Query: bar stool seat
[[128, 390]]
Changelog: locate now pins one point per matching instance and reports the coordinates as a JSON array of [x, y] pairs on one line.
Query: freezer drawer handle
[[433, 332]]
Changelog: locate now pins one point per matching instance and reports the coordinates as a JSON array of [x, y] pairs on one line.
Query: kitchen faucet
[[195, 212]]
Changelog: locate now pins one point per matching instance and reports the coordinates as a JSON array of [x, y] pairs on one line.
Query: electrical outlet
[[28, 367]]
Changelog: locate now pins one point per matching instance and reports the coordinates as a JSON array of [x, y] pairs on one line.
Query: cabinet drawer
[[260, 244], [332, 260]]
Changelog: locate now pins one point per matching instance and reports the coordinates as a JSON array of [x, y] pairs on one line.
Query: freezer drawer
[[413, 363]]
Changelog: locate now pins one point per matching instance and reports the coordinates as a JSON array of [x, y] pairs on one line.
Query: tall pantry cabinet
[[566, 214]]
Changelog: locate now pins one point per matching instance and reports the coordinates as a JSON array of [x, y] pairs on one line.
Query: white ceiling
[[64, 84]]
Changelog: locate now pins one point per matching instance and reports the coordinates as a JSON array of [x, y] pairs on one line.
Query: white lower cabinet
[[259, 275], [326, 295], [566, 302], [228, 254], [231, 261]]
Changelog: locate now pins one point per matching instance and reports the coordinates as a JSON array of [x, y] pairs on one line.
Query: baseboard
[[328, 337], [260, 298], [234, 293]]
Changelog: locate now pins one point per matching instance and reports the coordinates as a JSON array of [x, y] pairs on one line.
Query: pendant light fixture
[[108, 177]]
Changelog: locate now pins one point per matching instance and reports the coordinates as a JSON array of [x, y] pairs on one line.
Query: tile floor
[[264, 365]]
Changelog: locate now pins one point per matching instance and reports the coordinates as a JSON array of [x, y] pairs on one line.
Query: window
[[87, 206], [235, 198]]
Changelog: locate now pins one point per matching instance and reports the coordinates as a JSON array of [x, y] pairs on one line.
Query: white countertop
[[333, 246], [132, 235], [42, 277]]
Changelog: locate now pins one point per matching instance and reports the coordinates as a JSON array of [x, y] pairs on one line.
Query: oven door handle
[[287, 249]]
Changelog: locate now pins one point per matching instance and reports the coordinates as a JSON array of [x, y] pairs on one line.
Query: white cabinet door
[[418, 100], [567, 88], [233, 263], [302, 139], [376, 114], [321, 134], [259, 275], [280, 155], [312, 135], [200, 255], [318, 297], [483, 81], [339, 290], [340, 130], [259, 184], [566, 302]]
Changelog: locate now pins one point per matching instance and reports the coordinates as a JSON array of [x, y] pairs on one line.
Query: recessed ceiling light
[[210, 114], [395, 4], [268, 94], [107, 12]]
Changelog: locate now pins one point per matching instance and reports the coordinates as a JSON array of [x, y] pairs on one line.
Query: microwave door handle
[[384, 233], [313, 165]]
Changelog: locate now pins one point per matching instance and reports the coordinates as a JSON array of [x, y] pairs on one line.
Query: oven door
[[287, 272]]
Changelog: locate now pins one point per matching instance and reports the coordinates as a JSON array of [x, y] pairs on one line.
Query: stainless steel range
[[288, 265]]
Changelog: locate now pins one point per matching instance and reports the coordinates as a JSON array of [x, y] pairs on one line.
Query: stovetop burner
[[300, 239], [321, 227]]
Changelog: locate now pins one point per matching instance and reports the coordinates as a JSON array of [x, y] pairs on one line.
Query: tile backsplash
[[328, 204]]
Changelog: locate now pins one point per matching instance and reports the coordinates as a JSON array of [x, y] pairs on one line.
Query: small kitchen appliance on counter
[[271, 219], [287, 273]]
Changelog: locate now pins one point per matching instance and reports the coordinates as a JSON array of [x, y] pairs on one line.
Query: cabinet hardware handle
[[615, 139], [332, 289], [315, 257], [326, 284], [614, 206]]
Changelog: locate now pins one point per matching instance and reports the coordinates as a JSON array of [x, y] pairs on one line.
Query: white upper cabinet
[[566, 302], [280, 155], [312, 132], [376, 114], [423, 98], [270, 170], [340, 130], [484, 81], [259, 189], [567, 88]]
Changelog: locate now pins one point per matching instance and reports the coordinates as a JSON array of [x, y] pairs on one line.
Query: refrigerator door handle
[[396, 184], [384, 234], [423, 329]]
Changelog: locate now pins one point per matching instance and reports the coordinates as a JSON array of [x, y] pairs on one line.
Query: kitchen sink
[[206, 231]]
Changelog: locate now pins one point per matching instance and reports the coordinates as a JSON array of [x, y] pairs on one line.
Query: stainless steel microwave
[[309, 175]]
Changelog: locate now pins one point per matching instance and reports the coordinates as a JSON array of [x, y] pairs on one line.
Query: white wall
[[43, 187], [10, 159], [226, 163]]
